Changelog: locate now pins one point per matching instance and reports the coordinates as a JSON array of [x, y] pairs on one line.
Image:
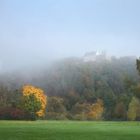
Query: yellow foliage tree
[[96, 110], [38, 93]]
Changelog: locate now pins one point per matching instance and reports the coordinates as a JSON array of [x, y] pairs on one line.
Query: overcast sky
[[34, 32]]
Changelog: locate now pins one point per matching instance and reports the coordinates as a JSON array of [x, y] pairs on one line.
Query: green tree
[[31, 105], [136, 91], [138, 64]]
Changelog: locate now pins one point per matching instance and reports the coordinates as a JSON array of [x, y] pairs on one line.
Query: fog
[[33, 34]]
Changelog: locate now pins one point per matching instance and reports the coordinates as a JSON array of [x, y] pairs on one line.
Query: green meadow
[[69, 130]]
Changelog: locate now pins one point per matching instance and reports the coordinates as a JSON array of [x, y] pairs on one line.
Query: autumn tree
[[34, 101], [80, 111], [88, 111], [96, 110], [120, 111], [133, 111], [55, 108]]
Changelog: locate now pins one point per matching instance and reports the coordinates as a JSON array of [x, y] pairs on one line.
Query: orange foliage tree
[[35, 100]]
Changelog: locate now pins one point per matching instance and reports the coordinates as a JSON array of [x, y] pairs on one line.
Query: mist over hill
[[73, 71]]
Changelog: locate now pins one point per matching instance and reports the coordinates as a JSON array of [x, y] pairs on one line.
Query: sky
[[35, 32]]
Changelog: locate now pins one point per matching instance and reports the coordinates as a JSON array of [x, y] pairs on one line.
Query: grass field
[[69, 130]]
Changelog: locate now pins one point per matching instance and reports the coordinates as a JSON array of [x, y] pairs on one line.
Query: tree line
[[77, 90]]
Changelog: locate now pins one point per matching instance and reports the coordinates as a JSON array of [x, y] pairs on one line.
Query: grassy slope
[[67, 130]]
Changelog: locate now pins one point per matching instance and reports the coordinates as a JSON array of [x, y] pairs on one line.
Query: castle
[[95, 55]]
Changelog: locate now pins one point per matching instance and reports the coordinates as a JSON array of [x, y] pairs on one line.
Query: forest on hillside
[[78, 90]]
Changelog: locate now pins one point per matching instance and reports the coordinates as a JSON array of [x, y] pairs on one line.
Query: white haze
[[33, 33]]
